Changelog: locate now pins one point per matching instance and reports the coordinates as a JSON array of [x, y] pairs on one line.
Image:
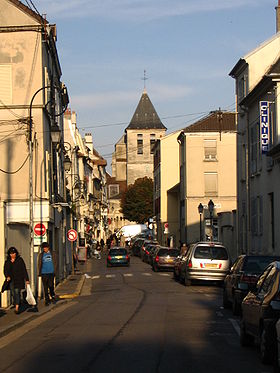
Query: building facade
[[257, 82], [166, 184], [207, 168]]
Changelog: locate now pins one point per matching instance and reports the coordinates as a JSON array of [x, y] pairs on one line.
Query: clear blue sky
[[187, 47]]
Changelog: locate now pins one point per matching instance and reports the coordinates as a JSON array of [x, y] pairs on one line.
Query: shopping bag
[[5, 286], [29, 296]]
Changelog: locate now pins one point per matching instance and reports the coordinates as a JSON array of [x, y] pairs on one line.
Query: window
[[210, 184], [113, 190], [152, 142], [257, 215], [139, 144], [210, 150]]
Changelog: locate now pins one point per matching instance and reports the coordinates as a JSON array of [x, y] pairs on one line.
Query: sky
[[187, 47]]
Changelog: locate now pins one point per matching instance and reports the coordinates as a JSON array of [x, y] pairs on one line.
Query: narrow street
[[132, 320]]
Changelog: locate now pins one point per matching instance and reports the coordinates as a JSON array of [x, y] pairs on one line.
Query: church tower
[[142, 132]]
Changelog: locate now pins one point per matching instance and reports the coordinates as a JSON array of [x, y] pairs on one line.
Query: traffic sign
[[39, 229], [72, 235]]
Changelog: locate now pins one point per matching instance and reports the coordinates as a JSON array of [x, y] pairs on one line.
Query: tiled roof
[[145, 116], [214, 122]]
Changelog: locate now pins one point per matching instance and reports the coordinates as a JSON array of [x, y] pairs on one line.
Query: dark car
[[164, 258], [260, 312], [145, 245], [136, 246], [118, 256], [179, 263], [152, 253], [148, 252], [242, 278]]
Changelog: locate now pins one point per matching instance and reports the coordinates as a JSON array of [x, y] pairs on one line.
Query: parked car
[[260, 313], [145, 245], [136, 247], [118, 256], [208, 261], [152, 254], [242, 278], [148, 250], [179, 261], [164, 258]]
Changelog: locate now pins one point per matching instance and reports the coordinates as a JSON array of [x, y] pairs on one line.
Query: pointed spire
[[145, 115]]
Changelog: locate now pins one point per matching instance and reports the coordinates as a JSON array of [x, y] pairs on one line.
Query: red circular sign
[[72, 235], [39, 229]]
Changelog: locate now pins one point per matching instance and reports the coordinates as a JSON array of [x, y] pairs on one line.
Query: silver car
[[207, 261]]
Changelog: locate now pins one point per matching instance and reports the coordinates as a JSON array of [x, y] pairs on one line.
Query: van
[[131, 230], [208, 261]]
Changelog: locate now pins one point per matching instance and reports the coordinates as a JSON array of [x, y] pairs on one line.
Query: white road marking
[[127, 274], [110, 276], [95, 277], [165, 274], [87, 276], [235, 326], [146, 274]]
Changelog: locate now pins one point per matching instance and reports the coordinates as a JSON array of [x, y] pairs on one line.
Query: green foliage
[[137, 201]]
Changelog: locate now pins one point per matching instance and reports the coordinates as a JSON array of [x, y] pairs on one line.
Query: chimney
[[278, 16]]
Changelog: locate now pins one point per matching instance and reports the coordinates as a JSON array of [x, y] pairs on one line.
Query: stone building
[[134, 152]]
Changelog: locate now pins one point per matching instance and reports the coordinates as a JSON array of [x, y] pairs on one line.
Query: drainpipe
[[277, 8]]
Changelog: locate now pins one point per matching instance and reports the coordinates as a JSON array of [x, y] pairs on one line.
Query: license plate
[[118, 257], [211, 265]]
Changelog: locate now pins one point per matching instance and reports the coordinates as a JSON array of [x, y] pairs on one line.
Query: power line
[[14, 172]]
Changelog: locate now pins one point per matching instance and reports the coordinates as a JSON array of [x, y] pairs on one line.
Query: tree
[[137, 201]]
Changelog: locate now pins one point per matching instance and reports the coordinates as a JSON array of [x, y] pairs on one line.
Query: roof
[[27, 10], [145, 116], [216, 121]]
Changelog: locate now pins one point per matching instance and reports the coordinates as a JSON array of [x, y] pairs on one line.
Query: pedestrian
[[16, 274], [47, 268]]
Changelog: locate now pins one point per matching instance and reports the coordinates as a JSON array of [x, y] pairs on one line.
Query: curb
[[65, 298]]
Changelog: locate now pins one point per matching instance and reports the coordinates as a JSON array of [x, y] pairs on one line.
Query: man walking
[[47, 269]]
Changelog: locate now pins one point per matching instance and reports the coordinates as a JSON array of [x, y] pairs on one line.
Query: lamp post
[[211, 210], [54, 130], [200, 211]]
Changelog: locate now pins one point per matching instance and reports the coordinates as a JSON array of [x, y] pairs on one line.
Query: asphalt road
[[132, 320]]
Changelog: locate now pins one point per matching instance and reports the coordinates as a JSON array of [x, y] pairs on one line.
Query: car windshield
[[118, 252], [170, 252], [257, 264], [211, 252]]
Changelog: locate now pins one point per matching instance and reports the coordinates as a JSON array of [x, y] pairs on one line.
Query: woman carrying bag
[[16, 274]]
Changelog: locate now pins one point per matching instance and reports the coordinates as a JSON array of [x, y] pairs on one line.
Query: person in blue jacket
[[47, 268]]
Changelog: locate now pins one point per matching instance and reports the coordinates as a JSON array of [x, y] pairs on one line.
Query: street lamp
[[55, 132], [211, 210], [200, 211]]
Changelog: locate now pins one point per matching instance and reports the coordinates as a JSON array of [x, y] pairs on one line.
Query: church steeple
[[145, 116]]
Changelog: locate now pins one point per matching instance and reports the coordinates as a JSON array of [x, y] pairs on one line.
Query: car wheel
[[245, 339], [226, 302], [187, 281], [267, 345], [236, 308]]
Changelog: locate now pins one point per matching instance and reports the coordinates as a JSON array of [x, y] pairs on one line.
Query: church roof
[[145, 116]]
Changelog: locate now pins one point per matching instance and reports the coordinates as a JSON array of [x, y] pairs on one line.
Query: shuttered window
[[6, 84], [210, 150], [210, 183]]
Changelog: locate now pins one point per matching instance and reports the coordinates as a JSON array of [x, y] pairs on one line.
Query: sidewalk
[[66, 291]]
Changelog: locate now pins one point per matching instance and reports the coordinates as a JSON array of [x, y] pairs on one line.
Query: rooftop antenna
[[145, 78]]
